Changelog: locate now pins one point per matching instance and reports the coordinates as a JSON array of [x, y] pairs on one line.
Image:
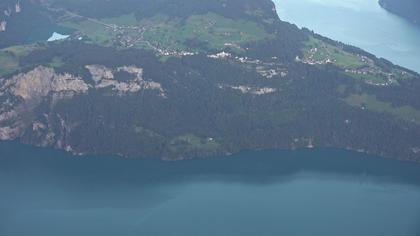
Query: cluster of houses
[[369, 69], [266, 69]]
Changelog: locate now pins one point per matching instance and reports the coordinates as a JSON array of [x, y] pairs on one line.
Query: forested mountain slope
[[409, 9], [181, 79]]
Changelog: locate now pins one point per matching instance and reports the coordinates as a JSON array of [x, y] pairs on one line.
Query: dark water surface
[[322, 192]]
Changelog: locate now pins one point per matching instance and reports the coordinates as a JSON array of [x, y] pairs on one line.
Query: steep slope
[[169, 80]]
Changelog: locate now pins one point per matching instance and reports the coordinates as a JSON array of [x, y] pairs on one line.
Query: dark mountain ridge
[[409, 9]]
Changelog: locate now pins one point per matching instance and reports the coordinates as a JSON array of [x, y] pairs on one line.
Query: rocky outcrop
[[22, 93], [100, 72], [250, 90], [104, 78], [41, 81], [13, 129], [50, 130]]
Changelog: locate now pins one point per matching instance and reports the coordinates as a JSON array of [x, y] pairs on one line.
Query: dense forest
[[409, 9], [236, 78]]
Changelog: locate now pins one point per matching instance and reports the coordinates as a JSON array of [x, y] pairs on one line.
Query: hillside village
[[355, 65]]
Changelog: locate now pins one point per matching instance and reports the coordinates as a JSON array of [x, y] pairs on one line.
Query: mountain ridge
[[190, 82], [409, 9]]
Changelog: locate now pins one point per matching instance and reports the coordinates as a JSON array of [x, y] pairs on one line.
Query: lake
[[362, 23], [324, 192]]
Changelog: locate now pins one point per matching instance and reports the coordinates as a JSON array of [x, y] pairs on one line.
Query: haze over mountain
[[176, 80], [409, 9]]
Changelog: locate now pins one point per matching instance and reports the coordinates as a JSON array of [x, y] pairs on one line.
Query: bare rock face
[[41, 81], [11, 132], [22, 93], [104, 78], [50, 130], [250, 90], [100, 72]]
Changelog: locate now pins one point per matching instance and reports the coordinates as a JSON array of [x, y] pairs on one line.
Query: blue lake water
[[362, 23], [308, 192]]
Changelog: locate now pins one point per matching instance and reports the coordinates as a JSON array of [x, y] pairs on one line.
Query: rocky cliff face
[[22, 93], [104, 78], [42, 81]]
